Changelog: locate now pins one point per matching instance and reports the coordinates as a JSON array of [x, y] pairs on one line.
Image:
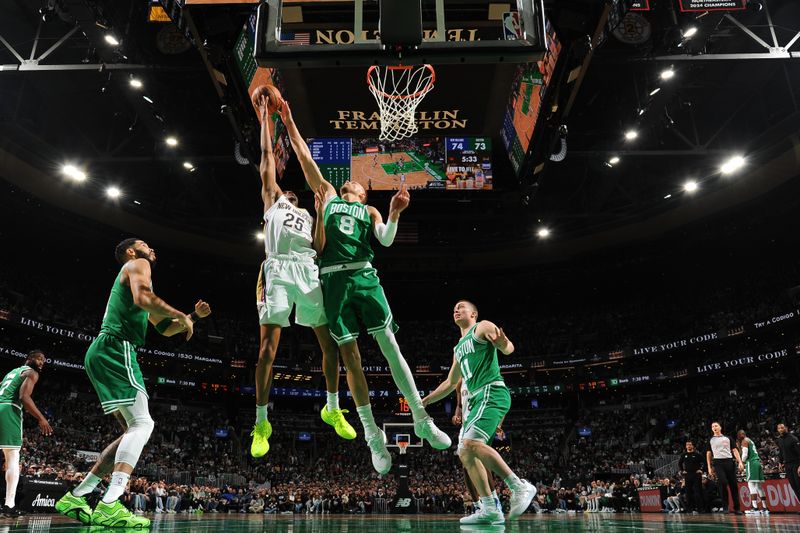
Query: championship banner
[[712, 5], [650, 500], [780, 496]]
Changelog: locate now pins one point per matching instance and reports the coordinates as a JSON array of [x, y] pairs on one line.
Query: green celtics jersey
[[347, 229], [752, 453], [123, 318], [478, 361], [9, 387]]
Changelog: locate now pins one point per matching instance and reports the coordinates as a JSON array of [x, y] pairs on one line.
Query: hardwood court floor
[[628, 523]]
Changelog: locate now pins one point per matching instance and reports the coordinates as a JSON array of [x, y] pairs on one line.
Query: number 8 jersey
[[287, 230], [347, 230]]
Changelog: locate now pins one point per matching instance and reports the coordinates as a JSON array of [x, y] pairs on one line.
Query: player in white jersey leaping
[[289, 278]]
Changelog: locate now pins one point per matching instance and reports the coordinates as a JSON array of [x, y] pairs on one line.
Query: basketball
[[273, 95]]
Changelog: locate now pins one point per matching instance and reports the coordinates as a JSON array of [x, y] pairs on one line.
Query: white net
[[398, 91]]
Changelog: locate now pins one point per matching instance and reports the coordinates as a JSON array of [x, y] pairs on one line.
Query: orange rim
[[402, 96]]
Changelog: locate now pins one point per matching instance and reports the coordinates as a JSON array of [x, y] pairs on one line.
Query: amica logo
[[43, 502]]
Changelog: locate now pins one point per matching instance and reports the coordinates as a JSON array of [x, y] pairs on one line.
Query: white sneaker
[[381, 459], [765, 511], [752, 512], [426, 429], [484, 515], [521, 499]]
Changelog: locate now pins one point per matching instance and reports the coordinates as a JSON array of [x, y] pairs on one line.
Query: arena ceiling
[[733, 91]]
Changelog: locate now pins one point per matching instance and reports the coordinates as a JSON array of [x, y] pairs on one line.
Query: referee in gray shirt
[[720, 464]]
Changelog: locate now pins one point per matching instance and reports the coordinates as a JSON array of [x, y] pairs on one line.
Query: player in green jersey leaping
[[475, 360], [352, 291]]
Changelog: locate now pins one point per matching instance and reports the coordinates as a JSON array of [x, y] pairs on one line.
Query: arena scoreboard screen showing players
[[435, 163]]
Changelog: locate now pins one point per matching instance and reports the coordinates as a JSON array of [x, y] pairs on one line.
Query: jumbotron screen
[[433, 163]]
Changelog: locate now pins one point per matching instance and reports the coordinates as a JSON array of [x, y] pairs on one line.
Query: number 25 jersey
[[347, 230], [287, 230]]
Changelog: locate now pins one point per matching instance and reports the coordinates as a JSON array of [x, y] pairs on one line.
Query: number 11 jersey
[[347, 230], [287, 231]]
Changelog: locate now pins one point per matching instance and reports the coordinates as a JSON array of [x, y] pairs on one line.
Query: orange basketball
[[273, 95]]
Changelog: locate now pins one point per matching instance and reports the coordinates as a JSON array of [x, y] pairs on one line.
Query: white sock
[[487, 502], [401, 373], [513, 482], [12, 475], [333, 401], [119, 480], [494, 495], [86, 486], [367, 420], [261, 413]]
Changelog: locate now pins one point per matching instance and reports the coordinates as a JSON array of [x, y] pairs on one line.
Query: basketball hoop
[[398, 90], [403, 446]]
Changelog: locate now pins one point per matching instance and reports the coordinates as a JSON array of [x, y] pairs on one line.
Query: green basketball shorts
[[114, 372], [350, 295], [487, 407], [10, 426], [753, 471]]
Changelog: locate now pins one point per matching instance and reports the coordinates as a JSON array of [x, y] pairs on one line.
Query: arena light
[[148, 100], [732, 165], [110, 39], [690, 186], [641, 112], [259, 235], [73, 172], [689, 32], [667, 197], [171, 141], [543, 233], [613, 161], [136, 83], [655, 91], [113, 192], [631, 135], [667, 74], [188, 166]]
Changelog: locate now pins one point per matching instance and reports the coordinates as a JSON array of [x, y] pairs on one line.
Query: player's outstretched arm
[[25, 392], [170, 326], [270, 191], [319, 222], [139, 279], [487, 330], [445, 387], [385, 233], [310, 169]]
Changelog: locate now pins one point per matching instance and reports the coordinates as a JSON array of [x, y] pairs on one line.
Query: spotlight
[[73, 172], [631, 135], [655, 91], [543, 233], [188, 166], [113, 192], [171, 141], [110, 39], [667, 74], [732, 165], [667, 196], [690, 32], [614, 160], [641, 112], [259, 235], [690, 186], [148, 100], [136, 83]]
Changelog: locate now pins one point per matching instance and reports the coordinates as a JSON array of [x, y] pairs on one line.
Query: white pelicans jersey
[[287, 231]]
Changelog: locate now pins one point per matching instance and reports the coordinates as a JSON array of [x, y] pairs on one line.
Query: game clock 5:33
[[469, 163]]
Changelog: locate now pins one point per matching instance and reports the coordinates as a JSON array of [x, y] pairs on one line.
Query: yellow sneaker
[[261, 432], [336, 419]]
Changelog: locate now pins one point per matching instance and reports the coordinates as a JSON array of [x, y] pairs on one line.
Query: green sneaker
[[261, 432], [336, 419], [117, 515], [75, 507]]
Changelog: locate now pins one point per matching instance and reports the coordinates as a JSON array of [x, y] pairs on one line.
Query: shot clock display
[[431, 163]]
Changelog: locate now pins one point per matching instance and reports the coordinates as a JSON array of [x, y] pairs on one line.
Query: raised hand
[[497, 338], [400, 200], [202, 309], [285, 113]]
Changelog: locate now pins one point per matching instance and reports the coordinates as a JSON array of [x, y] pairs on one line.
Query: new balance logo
[[403, 502], [43, 502]]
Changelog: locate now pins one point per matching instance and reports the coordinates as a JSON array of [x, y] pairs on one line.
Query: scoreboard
[[333, 159], [469, 163]]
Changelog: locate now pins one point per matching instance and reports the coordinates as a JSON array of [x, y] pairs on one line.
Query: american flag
[[296, 38]]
